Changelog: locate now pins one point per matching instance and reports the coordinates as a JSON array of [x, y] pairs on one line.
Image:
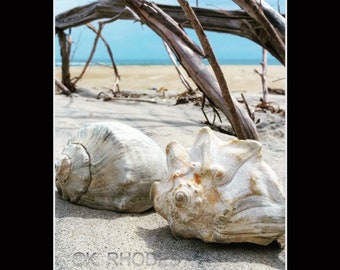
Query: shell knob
[[181, 198]]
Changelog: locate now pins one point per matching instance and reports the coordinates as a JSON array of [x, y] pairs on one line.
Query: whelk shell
[[111, 166], [220, 191]]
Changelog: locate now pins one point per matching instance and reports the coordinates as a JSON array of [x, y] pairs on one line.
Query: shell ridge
[[177, 157], [232, 156], [203, 148], [90, 171]]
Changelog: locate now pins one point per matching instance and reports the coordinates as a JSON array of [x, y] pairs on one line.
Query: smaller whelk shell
[[220, 191], [111, 166]]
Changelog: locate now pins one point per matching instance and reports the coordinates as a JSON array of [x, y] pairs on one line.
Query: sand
[[96, 239], [239, 78]]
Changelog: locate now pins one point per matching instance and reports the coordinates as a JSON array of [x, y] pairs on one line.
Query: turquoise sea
[[148, 62]]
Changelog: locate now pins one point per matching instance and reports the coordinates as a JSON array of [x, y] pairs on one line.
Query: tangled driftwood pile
[[258, 22]]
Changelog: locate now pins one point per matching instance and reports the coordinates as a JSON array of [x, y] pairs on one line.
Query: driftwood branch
[[62, 87], [76, 79], [235, 121], [167, 21], [237, 22], [273, 41], [252, 116], [98, 35], [190, 57], [126, 10], [263, 75], [115, 87], [180, 73], [109, 98], [65, 47], [275, 18], [64, 43]]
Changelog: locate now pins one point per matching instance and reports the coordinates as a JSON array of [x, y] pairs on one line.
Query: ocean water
[[148, 62]]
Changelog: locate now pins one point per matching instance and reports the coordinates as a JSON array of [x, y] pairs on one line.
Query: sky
[[130, 40]]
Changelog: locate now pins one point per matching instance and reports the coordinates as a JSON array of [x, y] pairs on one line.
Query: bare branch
[[274, 40], [234, 119], [236, 22], [76, 79], [190, 59], [62, 87], [180, 73]]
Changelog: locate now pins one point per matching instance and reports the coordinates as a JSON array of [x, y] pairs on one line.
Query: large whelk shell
[[220, 191], [109, 165]]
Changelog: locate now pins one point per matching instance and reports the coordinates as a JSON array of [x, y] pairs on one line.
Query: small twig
[[116, 84], [125, 10], [263, 75], [247, 107], [279, 79], [98, 32], [202, 108], [209, 54], [214, 110], [109, 98], [181, 76], [278, 91], [76, 79], [106, 95], [134, 99]]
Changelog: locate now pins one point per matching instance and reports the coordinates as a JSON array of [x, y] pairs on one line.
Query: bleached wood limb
[[256, 11], [190, 56], [180, 73], [234, 118], [263, 76], [235, 22], [62, 87]]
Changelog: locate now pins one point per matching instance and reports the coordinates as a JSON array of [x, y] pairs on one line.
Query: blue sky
[[131, 40]]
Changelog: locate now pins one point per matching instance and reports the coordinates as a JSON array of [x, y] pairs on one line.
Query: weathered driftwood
[[62, 87], [180, 73], [76, 79], [237, 22], [65, 49], [263, 75], [190, 56], [275, 18], [277, 91], [255, 9], [115, 87], [187, 52], [209, 53]]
